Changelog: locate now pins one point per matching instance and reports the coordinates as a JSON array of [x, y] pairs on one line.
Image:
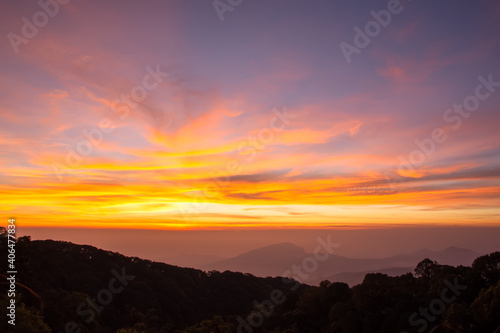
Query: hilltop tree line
[[64, 287]]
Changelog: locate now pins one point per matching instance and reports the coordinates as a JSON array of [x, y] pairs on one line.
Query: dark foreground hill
[[64, 287]]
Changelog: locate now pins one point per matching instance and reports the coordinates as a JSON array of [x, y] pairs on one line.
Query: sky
[[250, 114]]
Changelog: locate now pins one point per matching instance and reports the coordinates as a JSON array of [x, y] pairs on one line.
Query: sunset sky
[[158, 114]]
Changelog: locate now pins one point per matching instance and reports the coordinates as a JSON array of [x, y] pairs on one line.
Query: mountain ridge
[[275, 259]]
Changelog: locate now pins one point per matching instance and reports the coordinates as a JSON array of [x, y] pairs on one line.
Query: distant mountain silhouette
[[270, 260], [453, 256], [275, 259], [191, 260], [354, 278]]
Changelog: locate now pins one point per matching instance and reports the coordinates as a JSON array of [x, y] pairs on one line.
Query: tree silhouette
[[426, 268]]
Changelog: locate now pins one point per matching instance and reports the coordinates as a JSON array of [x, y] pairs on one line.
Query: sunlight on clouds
[[206, 147]]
